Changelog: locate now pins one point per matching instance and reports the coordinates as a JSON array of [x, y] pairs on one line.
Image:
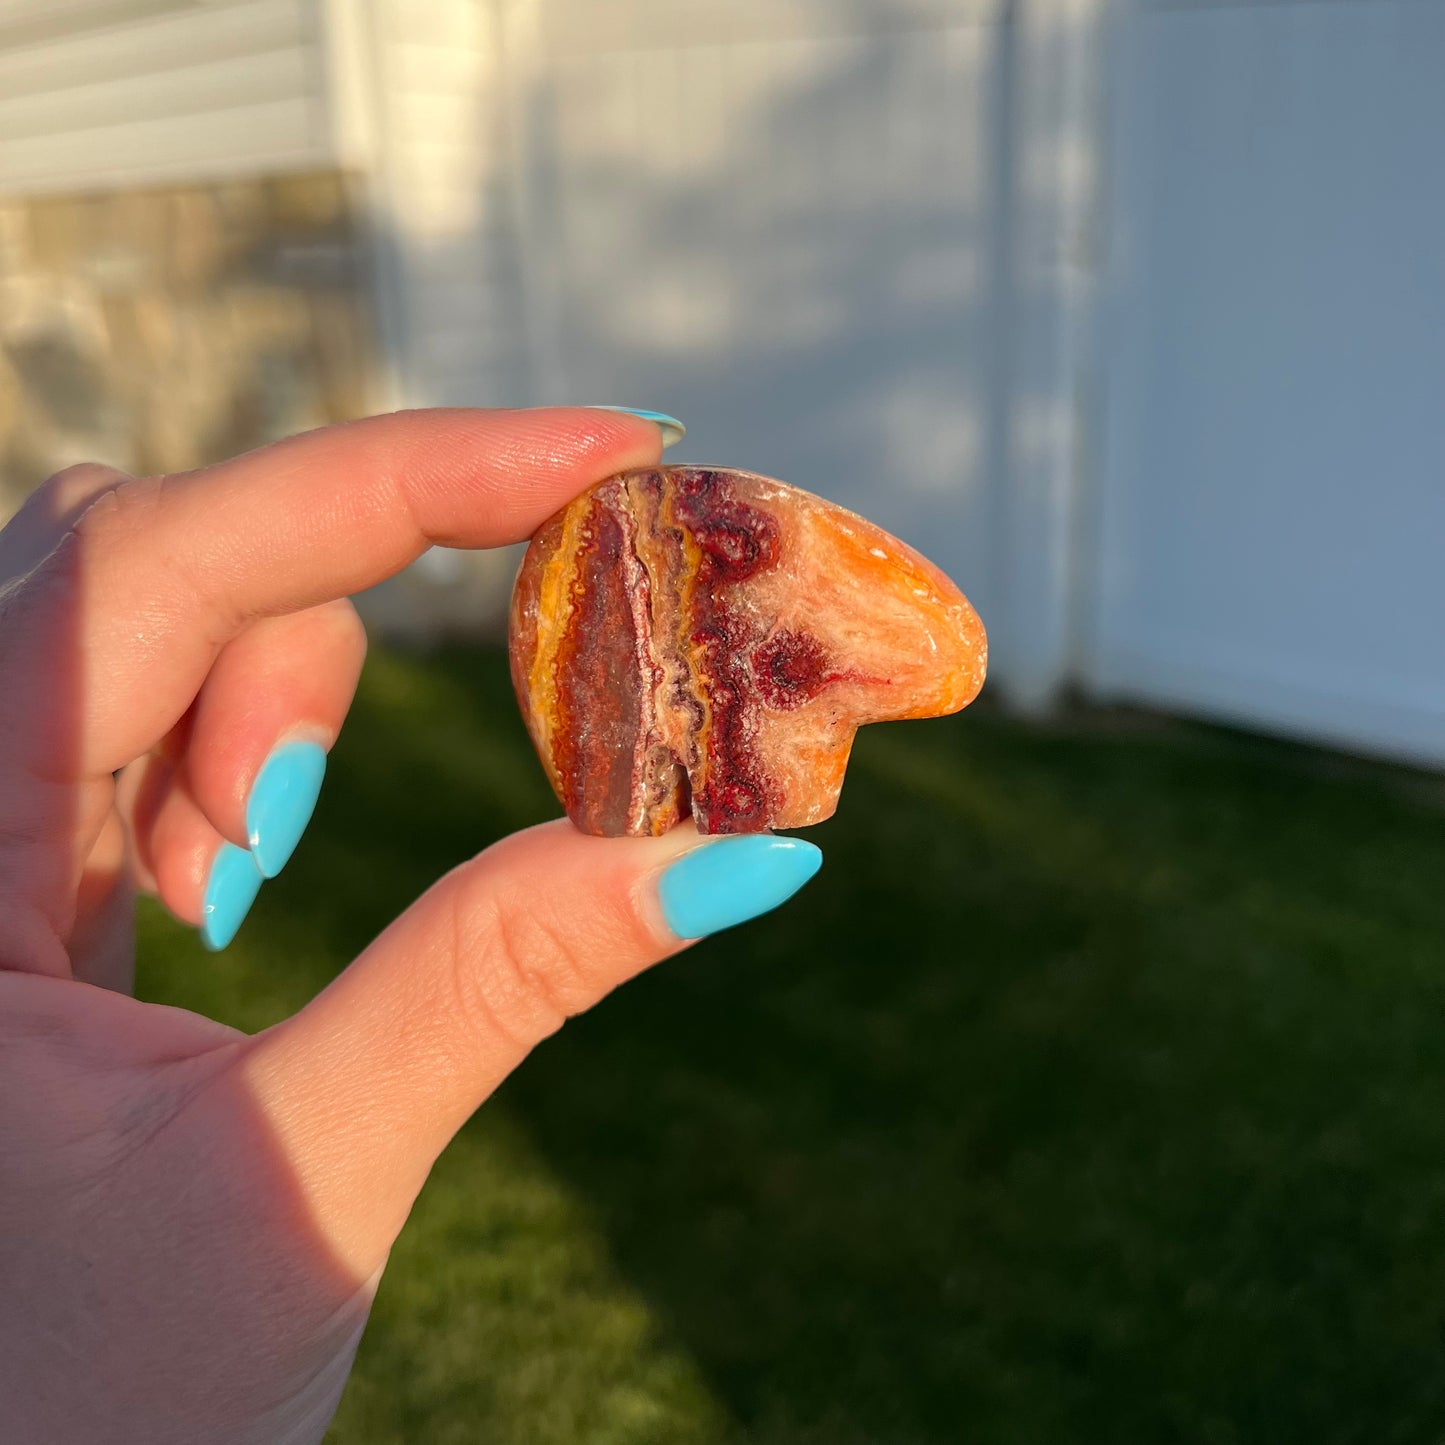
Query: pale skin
[[193, 1220]]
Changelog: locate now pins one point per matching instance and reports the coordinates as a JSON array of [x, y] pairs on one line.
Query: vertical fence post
[[1049, 158]]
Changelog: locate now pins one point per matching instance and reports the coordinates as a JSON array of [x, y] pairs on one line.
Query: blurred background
[[1095, 1089]]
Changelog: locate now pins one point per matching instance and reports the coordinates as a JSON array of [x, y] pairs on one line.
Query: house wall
[[161, 328], [185, 268], [1128, 313]]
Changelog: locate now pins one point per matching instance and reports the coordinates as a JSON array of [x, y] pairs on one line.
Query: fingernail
[[730, 881], [230, 891], [283, 799], [672, 430]]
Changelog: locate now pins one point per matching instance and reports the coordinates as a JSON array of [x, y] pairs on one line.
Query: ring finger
[[208, 824]]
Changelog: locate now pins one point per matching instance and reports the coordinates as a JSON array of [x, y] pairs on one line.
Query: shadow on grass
[[1092, 1092]]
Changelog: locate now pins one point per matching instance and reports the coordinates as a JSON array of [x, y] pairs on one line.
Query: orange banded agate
[[693, 641]]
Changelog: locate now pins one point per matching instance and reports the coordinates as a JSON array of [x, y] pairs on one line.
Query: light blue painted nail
[[730, 881], [672, 430], [230, 891], [283, 799]]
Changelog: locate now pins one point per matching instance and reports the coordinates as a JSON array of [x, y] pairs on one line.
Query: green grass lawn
[[1094, 1091]]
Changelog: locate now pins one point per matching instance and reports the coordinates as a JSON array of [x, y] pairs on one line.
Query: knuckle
[[124, 521], [517, 970], [65, 496], [46, 518], [121, 511], [80, 480]]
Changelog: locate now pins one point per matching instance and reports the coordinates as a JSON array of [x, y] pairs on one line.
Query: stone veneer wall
[[159, 329]]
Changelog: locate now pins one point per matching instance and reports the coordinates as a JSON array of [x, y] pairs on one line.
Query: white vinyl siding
[[197, 92]]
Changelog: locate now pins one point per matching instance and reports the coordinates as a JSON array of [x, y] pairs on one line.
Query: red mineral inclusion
[[694, 641]]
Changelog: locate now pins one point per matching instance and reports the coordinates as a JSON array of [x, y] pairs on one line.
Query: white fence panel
[[1272, 490], [775, 221]]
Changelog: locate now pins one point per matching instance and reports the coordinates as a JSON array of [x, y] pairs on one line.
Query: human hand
[[193, 1221]]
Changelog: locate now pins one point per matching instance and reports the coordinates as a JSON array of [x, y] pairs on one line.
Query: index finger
[[164, 571]]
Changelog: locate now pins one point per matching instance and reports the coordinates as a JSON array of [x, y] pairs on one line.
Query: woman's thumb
[[365, 1086]]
